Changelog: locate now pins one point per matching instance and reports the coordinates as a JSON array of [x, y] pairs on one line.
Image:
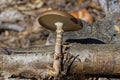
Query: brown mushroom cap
[[48, 19]]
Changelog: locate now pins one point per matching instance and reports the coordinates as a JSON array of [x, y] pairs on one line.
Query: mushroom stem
[[58, 49]]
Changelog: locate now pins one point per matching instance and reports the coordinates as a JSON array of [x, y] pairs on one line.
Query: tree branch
[[94, 60]]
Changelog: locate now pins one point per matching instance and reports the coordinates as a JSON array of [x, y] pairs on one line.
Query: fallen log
[[101, 60]]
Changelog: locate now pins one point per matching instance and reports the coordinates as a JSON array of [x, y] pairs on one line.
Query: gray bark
[[93, 60]]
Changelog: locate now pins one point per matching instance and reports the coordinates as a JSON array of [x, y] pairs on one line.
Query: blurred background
[[19, 27]]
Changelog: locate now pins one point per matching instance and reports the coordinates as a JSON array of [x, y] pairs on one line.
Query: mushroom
[[60, 22]]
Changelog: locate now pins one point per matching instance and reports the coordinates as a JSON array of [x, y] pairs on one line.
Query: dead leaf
[[83, 14], [117, 29]]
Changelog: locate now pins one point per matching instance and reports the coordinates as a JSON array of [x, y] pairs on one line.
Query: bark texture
[[94, 60]]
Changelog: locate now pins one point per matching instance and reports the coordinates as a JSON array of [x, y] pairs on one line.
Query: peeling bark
[[101, 60]]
